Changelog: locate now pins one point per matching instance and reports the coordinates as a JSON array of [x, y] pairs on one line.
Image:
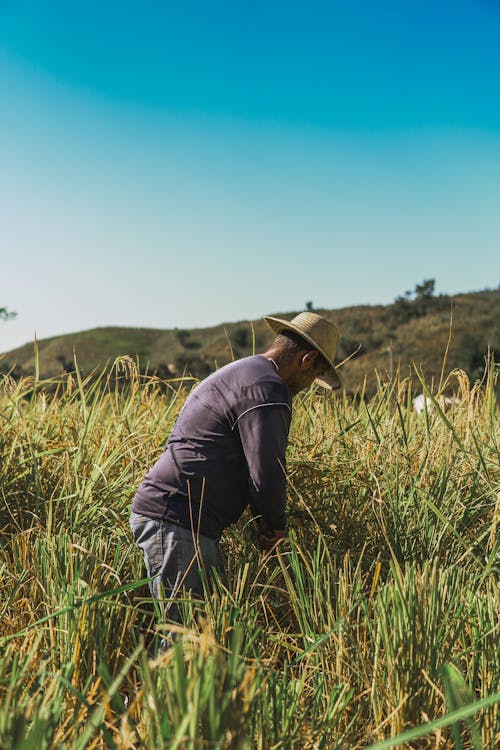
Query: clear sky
[[187, 163]]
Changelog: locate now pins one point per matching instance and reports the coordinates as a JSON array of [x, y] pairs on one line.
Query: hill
[[414, 329]]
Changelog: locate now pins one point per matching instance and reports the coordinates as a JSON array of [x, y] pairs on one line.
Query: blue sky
[[182, 164]]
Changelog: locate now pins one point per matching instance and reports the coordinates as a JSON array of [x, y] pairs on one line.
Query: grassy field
[[376, 625]]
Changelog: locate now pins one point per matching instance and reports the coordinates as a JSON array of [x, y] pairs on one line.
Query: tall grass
[[378, 617]]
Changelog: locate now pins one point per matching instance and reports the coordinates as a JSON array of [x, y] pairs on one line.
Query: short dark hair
[[291, 343]]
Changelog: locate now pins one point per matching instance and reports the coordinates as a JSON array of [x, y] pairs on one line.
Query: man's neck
[[283, 366]]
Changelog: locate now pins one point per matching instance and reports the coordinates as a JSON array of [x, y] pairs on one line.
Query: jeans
[[174, 557]]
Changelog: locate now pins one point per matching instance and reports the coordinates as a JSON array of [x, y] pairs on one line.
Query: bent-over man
[[226, 452]]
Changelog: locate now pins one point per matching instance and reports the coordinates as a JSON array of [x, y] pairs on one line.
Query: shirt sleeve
[[264, 435]]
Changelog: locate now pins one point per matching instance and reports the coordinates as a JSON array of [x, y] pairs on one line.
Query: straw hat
[[320, 333]]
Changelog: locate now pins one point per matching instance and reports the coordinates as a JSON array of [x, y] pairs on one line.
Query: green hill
[[415, 328]]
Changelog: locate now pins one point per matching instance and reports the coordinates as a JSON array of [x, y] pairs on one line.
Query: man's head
[[304, 350]]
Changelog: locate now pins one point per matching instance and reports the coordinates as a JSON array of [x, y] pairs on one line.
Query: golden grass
[[383, 598]]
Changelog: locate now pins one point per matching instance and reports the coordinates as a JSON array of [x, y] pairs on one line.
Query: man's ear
[[309, 358]]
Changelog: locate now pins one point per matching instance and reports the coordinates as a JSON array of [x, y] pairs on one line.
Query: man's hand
[[268, 538]]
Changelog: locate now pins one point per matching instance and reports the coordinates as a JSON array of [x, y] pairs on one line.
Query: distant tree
[[414, 304], [401, 310], [424, 297], [192, 364], [66, 365], [425, 290], [350, 347], [309, 306], [6, 315], [192, 344], [241, 337], [182, 336], [473, 352]]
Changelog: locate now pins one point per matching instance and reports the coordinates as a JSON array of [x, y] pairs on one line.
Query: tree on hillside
[[6, 314], [184, 339], [242, 337], [414, 304], [425, 290]]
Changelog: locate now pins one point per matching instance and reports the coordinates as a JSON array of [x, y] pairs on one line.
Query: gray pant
[[176, 558]]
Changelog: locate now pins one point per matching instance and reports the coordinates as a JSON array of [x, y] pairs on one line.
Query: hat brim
[[330, 379]]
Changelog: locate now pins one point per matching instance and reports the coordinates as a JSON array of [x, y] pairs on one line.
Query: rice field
[[375, 625]]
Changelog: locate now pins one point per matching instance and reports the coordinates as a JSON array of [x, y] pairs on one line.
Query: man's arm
[[264, 436]]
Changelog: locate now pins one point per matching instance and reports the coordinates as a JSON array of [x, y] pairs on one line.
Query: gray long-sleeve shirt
[[227, 450]]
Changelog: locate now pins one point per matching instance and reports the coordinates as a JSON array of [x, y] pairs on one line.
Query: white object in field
[[420, 402]]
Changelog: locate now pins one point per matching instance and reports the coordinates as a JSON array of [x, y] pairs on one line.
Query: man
[[227, 451]]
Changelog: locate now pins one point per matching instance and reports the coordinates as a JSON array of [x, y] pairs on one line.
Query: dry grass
[[380, 613]]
